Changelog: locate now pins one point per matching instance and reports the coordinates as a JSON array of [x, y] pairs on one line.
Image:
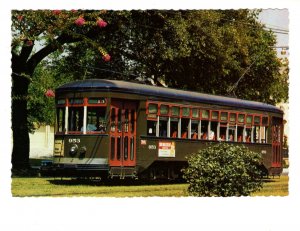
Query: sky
[[278, 21], [267, 214]]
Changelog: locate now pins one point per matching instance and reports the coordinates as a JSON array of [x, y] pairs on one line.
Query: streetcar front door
[[122, 134], [277, 129]]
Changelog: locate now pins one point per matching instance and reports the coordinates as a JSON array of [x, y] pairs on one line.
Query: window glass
[[215, 115], [265, 120], [96, 101], [174, 127], [76, 101], [152, 108], [195, 112], [61, 102], [241, 118], [205, 114], [60, 114], [75, 120], [151, 128], [175, 111], [232, 117], [186, 111], [249, 119], [96, 120], [257, 120], [224, 116], [164, 109]]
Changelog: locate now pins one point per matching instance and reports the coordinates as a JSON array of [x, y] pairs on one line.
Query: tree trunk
[[20, 152]]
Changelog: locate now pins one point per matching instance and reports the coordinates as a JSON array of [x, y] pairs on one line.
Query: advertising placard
[[166, 149]]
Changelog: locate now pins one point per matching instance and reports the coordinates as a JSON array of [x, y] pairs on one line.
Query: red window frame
[[236, 118], [174, 116], [181, 112], [147, 111], [241, 123], [159, 109], [209, 113], [96, 105], [224, 121], [260, 121], [198, 117]]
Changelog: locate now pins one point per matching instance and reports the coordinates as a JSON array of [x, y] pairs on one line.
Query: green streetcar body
[[131, 143]]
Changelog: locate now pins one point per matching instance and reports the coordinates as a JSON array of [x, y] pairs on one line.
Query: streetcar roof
[[162, 92]]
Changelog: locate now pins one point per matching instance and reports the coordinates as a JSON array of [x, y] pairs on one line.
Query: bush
[[224, 170]]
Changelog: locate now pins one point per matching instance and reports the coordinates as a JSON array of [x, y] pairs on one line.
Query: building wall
[[42, 142]]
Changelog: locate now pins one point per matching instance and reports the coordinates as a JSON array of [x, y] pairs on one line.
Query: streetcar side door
[[122, 133]]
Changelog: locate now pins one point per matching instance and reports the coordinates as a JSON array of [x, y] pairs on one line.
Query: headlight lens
[[73, 150]]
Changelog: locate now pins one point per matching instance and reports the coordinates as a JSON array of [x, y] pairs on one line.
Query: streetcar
[[119, 129]]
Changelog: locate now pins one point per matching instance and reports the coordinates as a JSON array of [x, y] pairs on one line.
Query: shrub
[[224, 170]]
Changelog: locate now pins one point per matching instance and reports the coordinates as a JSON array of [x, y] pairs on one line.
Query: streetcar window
[[256, 120], [163, 126], [232, 118], [175, 111], [126, 122], [152, 108], [61, 102], [151, 128], [248, 135], [249, 119], [213, 130], [205, 114], [223, 131], [164, 109], [132, 120], [231, 133], [174, 127], [125, 147], [75, 120], [204, 129], [224, 116], [265, 121], [194, 129], [113, 120], [215, 115], [60, 114], [186, 111], [96, 120], [112, 148], [131, 148], [195, 112], [96, 100], [184, 128], [241, 118], [240, 134], [75, 101]]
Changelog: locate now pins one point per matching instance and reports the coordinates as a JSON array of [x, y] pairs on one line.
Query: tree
[[192, 50], [50, 30], [224, 170]]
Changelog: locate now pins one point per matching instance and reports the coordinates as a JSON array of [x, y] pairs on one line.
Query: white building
[[41, 142]]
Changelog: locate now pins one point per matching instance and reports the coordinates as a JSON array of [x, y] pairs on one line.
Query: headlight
[[82, 151], [73, 150]]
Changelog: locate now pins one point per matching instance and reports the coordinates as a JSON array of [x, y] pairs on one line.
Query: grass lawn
[[55, 187]]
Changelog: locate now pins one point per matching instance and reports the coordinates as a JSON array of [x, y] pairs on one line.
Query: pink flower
[[29, 43], [106, 57], [101, 23], [49, 93], [56, 12], [20, 18], [79, 21]]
